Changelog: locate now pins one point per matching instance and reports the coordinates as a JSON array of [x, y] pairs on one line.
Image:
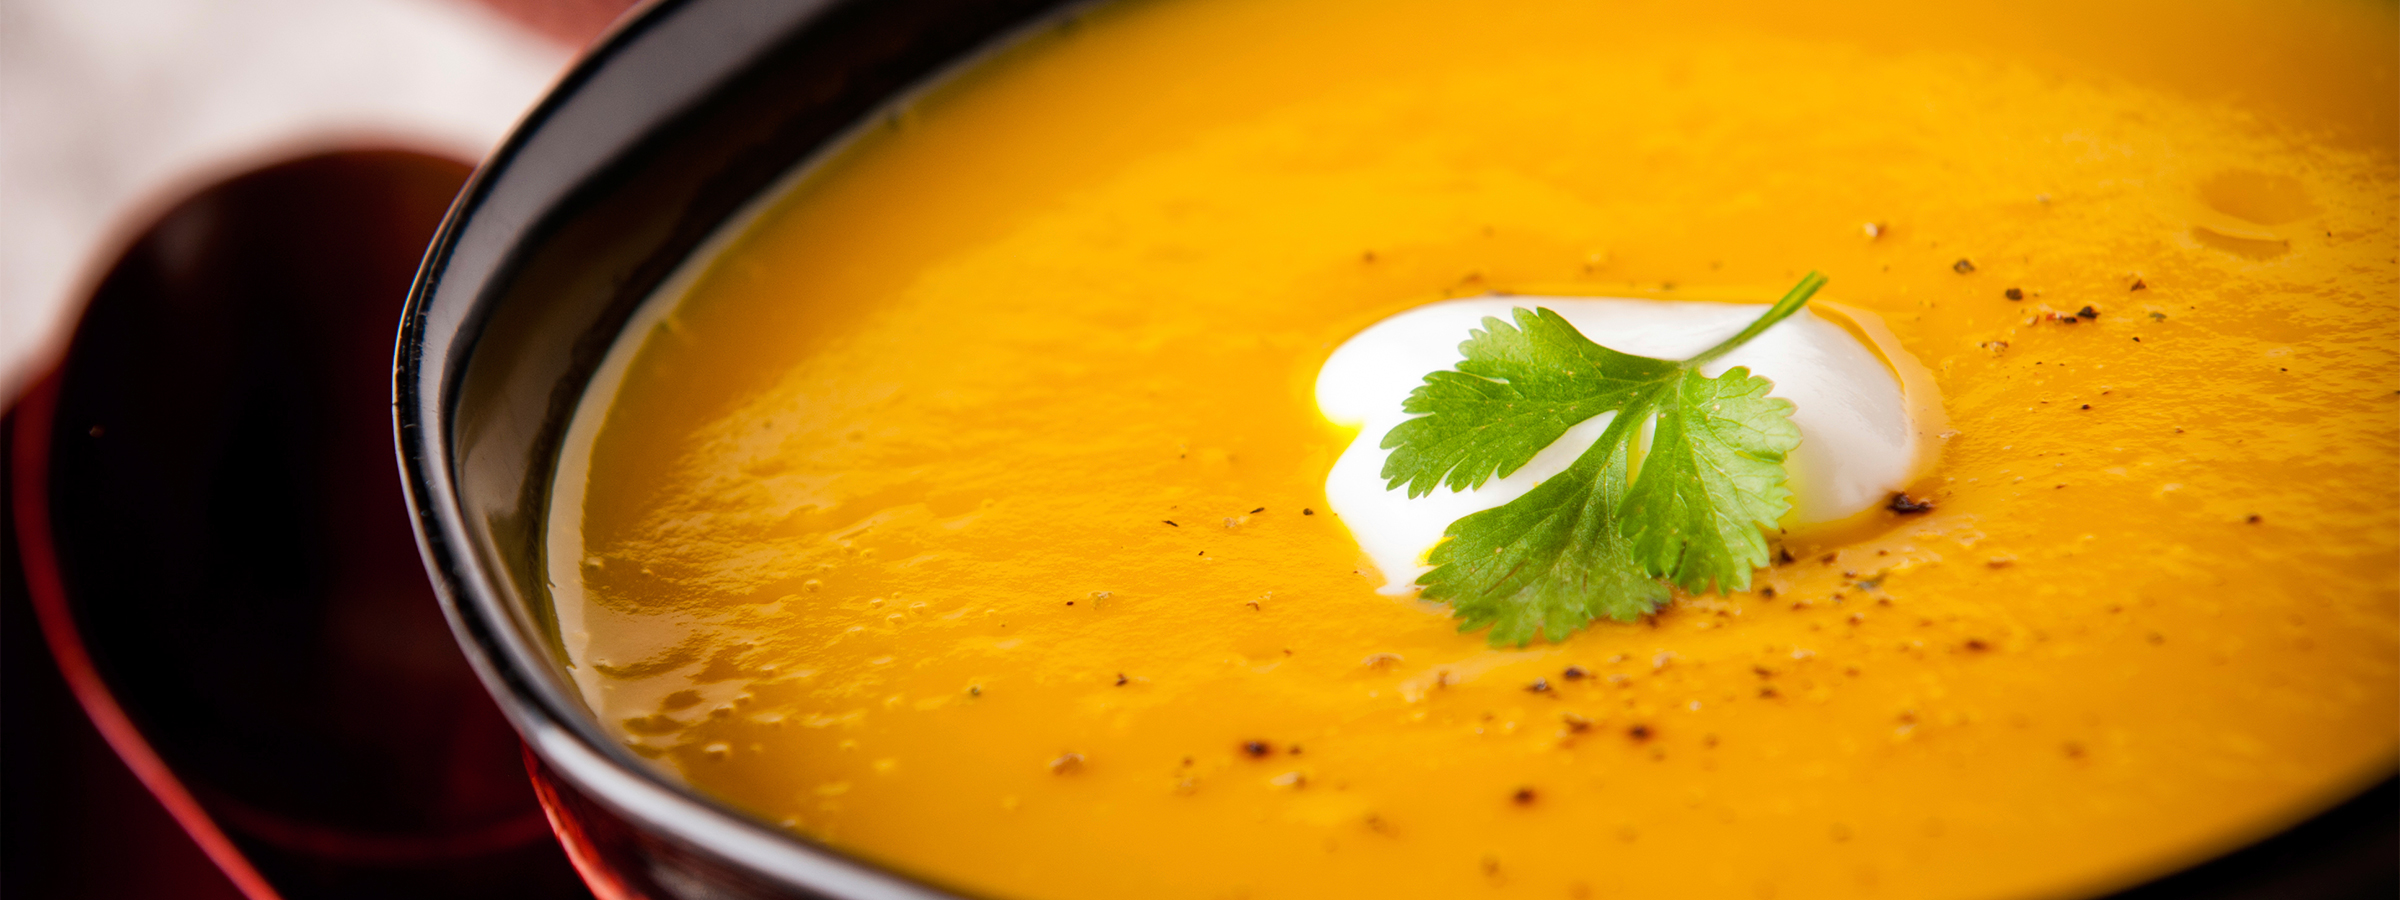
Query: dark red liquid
[[228, 542]]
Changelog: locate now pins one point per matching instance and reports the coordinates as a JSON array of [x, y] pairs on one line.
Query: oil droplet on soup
[[967, 509]]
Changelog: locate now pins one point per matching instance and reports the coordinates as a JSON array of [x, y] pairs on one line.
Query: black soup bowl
[[688, 112], [674, 122]]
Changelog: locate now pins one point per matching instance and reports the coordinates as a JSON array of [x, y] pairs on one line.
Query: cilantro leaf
[[1517, 391], [1595, 540], [1712, 482], [1503, 567]]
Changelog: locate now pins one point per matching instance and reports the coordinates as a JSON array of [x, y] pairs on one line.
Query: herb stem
[[1783, 309]]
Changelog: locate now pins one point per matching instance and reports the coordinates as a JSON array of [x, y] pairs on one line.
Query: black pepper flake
[[1257, 749], [1638, 732], [1307, 512], [1258, 510], [2255, 519], [2087, 406], [1976, 645], [2088, 313], [2013, 294], [1907, 505], [1539, 686], [1170, 523], [2139, 285], [1963, 266], [1783, 555], [1121, 679], [1524, 796], [1575, 673], [1768, 592]]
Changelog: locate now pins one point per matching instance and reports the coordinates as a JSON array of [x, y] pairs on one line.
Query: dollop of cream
[[1864, 430]]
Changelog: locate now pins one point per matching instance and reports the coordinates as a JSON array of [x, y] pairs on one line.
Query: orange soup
[[964, 509]]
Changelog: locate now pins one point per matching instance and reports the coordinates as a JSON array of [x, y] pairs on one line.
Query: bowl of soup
[[888, 451]]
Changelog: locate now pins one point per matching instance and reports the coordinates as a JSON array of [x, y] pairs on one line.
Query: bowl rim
[[504, 202]]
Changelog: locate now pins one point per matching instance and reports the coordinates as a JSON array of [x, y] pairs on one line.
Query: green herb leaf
[[1712, 482], [1551, 561], [1516, 392], [1595, 540]]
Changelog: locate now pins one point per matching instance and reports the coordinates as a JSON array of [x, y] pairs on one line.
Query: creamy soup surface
[[965, 510]]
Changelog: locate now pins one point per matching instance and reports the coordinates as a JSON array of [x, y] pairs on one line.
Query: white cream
[[1860, 437]]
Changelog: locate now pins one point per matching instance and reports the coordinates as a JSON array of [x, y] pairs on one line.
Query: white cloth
[[112, 110]]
